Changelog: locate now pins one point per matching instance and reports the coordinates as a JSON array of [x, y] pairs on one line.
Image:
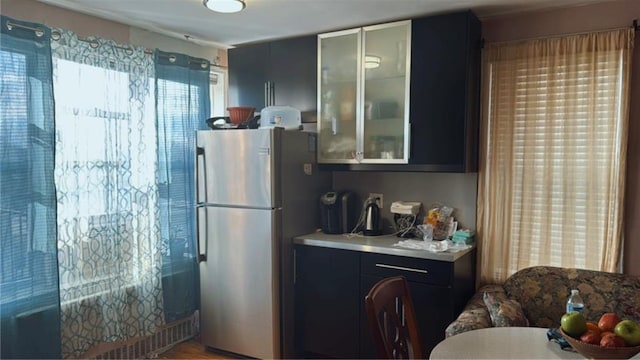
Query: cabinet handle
[[410, 150], [272, 93], [269, 93], [402, 268]]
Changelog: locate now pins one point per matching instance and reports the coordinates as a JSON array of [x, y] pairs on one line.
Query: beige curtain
[[553, 153]]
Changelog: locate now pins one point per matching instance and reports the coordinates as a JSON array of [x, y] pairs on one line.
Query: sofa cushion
[[475, 314], [504, 311], [471, 319], [542, 291]]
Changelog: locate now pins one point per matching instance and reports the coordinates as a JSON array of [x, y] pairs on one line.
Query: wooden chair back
[[392, 320]]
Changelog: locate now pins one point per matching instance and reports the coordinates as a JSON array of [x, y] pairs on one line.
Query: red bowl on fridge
[[240, 114]]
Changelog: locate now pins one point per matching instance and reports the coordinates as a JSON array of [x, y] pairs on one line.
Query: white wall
[[86, 25], [455, 190]]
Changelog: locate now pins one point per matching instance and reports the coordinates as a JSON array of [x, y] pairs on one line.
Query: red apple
[[612, 341], [591, 337], [608, 321]]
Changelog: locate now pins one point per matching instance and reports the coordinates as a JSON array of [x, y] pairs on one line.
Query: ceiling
[[274, 19]]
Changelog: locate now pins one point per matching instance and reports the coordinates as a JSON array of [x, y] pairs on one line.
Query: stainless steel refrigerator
[[256, 190]]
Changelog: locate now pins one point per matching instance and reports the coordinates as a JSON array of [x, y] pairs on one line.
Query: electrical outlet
[[308, 169], [379, 202]]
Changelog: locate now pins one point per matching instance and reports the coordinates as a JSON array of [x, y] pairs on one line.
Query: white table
[[501, 343]]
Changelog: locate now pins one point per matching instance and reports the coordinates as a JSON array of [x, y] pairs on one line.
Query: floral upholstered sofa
[[537, 296]]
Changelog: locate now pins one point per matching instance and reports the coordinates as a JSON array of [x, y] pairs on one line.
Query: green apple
[[629, 331], [573, 323]]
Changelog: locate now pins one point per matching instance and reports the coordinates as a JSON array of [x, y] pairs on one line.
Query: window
[[218, 94], [176, 210], [182, 105], [27, 260], [14, 207], [552, 162], [105, 178], [29, 296]]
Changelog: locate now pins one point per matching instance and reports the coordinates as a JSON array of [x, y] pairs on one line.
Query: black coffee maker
[[337, 213]]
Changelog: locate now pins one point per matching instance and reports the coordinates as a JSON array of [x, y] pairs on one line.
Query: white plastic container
[[280, 116]]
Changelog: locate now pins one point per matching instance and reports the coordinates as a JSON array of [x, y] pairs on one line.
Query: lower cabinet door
[[434, 311], [327, 302]]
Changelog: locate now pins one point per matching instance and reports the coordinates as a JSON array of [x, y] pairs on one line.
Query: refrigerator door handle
[[202, 256], [201, 153], [200, 204]]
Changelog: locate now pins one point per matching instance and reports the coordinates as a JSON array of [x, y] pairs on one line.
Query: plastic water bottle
[[575, 302]]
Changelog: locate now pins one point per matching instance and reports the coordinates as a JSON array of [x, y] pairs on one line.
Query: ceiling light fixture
[[371, 61], [224, 6]]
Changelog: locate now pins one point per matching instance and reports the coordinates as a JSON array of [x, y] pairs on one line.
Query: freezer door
[[239, 305], [237, 167]]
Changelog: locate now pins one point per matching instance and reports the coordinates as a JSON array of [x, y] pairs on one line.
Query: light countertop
[[383, 244]]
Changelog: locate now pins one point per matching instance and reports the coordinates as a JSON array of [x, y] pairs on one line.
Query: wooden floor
[[192, 349]]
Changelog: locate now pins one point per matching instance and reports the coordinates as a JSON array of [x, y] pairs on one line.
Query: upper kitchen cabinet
[[281, 72], [362, 95], [418, 110], [445, 92]]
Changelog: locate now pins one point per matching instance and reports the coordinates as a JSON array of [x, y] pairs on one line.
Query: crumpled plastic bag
[[432, 246], [440, 217]]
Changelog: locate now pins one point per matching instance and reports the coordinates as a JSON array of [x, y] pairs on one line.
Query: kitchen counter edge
[[383, 244]]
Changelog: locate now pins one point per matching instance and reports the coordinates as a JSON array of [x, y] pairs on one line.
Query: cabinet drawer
[[418, 270]]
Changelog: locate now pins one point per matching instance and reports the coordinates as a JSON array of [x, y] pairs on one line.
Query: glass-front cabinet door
[[363, 101], [339, 71], [385, 96]]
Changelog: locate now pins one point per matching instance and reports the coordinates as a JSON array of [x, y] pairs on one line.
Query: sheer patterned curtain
[[182, 97], [553, 153], [107, 197], [29, 308]]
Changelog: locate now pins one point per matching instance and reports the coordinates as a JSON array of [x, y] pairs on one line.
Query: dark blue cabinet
[[331, 285], [281, 72], [445, 93], [444, 96]]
